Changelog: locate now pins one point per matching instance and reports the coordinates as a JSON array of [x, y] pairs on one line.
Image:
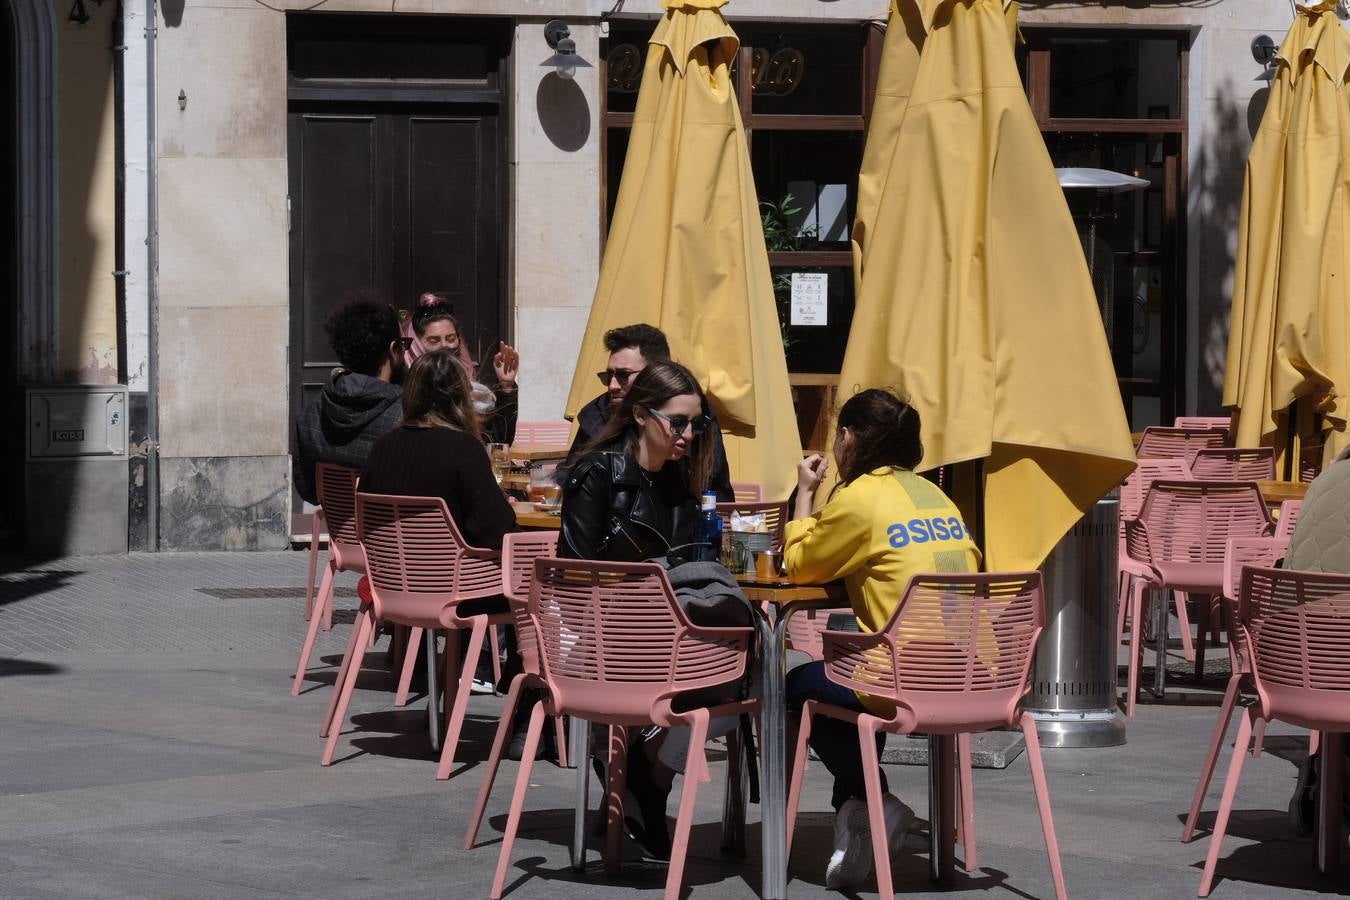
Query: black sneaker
[[1303, 805], [650, 831]]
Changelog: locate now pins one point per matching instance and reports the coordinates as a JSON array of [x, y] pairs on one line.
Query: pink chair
[[1132, 494], [804, 633], [543, 432], [1182, 534], [1251, 551], [747, 491], [1224, 422], [955, 658], [519, 551], [616, 649], [337, 498], [1178, 443], [1288, 520], [1234, 464], [1298, 630], [421, 570], [775, 517]]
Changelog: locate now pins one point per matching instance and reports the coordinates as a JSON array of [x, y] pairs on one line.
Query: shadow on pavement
[[21, 585], [10, 666]]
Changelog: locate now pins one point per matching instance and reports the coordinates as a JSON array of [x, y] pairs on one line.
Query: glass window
[[805, 72], [616, 149], [625, 55], [1114, 77], [819, 169], [816, 348]]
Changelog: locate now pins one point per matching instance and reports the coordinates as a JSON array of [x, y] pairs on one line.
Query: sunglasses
[[623, 376], [678, 424]]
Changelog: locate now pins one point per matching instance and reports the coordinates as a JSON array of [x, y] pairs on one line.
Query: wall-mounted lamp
[[564, 60], [78, 14], [1263, 51], [182, 100]]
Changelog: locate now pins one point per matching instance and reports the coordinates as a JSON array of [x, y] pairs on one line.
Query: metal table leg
[[580, 752], [1329, 813], [433, 701], [1159, 600], [941, 807], [773, 747]]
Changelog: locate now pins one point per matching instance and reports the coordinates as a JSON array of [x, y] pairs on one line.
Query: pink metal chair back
[[1190, 522], [337, 496], [1299, 627], [1180, 443], [747, 491], [1234, 464], [775, 517], [419, 564], [1146, 472], [1288, 520], [957, 651], [614, 641], [1224, 422], [805, 628], [543, 432], [519, 551]]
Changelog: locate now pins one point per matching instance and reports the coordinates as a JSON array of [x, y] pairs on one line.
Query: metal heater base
[[1096, 728]]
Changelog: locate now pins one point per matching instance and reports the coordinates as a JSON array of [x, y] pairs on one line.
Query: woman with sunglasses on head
[[633, 495], [880, 526], [432, 326]]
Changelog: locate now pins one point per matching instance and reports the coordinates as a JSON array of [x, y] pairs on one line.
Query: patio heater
[[1073, 684]]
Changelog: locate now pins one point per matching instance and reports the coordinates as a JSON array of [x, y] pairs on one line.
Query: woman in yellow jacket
[[880, 526]]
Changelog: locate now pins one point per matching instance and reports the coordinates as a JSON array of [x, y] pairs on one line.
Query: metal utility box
[[79, 421], [76, 486]]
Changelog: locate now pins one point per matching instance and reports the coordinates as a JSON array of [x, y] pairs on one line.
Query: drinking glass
[[500, 455]]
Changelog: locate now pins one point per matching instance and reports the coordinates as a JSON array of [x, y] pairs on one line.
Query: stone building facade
[[214, 197]]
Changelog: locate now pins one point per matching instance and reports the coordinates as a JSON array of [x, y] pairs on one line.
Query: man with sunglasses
[[361, 399], [631, 348]]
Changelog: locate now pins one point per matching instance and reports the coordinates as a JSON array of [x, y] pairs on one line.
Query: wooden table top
[[780, 590], [538, 452], [529, 517], [1280, 491]]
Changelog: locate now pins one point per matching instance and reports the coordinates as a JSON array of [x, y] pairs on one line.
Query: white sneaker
[[482, 686], [851, 861], [898, 819]]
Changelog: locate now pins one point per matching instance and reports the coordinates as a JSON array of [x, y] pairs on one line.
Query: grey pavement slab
[[149, 747]]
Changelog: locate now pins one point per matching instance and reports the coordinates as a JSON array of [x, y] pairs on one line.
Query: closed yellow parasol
[[973, 296], [1290, 330], [686, 247]]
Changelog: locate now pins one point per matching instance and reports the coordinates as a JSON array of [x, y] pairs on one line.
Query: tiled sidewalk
[[149, 747]]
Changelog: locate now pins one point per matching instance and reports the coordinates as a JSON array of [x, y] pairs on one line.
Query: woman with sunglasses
[[633, 495]]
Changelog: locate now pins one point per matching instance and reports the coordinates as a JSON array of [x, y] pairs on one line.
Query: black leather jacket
[[611, 511]]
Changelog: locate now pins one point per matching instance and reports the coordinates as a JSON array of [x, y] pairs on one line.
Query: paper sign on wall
[[810, 301]]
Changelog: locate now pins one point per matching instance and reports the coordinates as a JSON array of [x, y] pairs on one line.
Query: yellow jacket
[[876, 533]]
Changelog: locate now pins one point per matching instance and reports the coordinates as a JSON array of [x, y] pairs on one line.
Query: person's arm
[[487, 514], [585, 511], [827, 546], [302, 467]]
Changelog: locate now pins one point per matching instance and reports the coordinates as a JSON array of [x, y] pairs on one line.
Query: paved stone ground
[[149, 747]]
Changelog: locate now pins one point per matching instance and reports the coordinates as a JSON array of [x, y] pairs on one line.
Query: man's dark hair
[[649, 341], [360, 332]]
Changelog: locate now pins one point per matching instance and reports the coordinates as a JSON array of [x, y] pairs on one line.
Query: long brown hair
[[653, 388], [885, 432], [436, 394]]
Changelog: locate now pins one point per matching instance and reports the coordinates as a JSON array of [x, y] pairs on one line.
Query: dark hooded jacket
[[342, 423]]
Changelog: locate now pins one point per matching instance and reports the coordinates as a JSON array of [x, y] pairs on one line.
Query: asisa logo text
[[921, 531]]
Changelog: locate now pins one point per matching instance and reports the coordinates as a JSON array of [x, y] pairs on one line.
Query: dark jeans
[[835, 742]]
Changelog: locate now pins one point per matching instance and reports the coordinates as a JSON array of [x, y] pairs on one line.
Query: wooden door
[[394, 184]]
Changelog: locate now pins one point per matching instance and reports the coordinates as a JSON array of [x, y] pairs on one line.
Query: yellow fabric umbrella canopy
[[1290, 330], [973, 296], [686, 247]]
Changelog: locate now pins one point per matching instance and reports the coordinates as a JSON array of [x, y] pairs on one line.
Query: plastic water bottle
[[710, 529]]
